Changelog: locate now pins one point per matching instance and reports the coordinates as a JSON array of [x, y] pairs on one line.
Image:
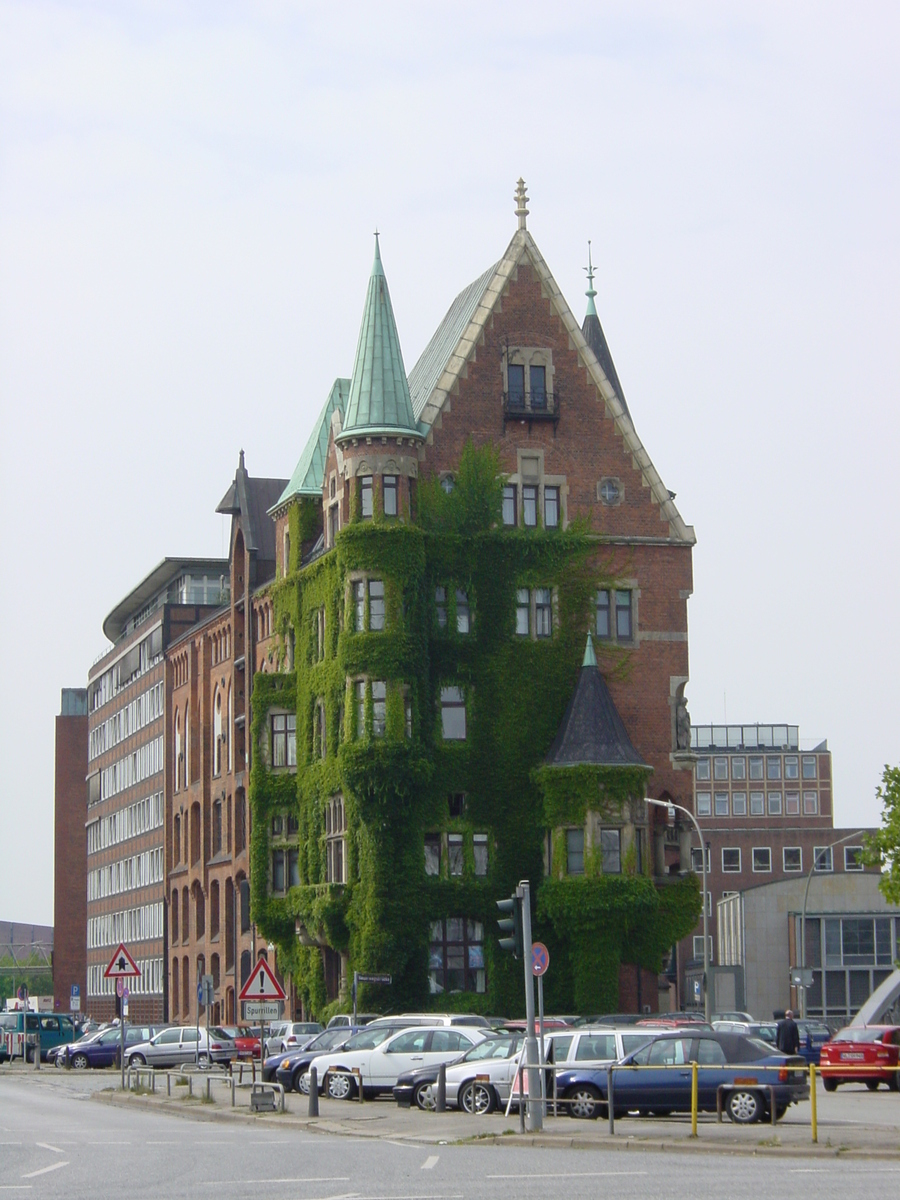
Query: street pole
[[535, 1122], [840, 841], [667, 804]]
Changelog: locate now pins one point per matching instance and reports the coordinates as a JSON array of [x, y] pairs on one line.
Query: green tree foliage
[[883, 848]]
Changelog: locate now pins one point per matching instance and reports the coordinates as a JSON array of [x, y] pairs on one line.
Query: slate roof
[[596, 339], [252, 499], [592, 732], [379, 401], [309, 473]]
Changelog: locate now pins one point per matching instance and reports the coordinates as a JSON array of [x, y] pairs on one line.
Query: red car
[[247, 1041], [868, 1054]]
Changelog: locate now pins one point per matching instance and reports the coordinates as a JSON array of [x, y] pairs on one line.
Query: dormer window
[[528, 384], [515, 374], [538, 380]]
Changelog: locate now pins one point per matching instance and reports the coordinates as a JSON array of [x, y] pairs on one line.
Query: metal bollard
[[521, 1096], [208, 1082], [357, 1071], [695, 1070], [812, 1102], [609, 1100], [313, 1110], [168, 1084], [440, 1100]]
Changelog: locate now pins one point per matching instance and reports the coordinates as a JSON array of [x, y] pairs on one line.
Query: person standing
[[787, 1035]]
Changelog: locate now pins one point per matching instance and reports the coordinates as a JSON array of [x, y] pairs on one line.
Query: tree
[[883, 848]]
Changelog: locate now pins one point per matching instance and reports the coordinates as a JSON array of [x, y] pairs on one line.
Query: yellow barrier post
[[694, 1082], [812, 1102]]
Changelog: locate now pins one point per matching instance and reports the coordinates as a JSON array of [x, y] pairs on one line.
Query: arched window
[[175, 919], [176, 839], [214, 909], [229, 924], [199, 912], [229, 732], [217, 733], [178, 782], [186, 982], [175, 974], [185, 915]]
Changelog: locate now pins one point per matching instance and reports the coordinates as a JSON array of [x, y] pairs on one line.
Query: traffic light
[[511, 923]]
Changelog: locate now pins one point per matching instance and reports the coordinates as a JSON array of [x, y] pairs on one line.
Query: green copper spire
[[379, 402], [590, 293], [590, 658]]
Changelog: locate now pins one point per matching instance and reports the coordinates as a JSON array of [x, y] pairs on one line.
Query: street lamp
[[667, 804], [816, 857]]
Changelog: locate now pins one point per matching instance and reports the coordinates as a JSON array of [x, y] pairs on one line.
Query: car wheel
[[872, 1085], [584, 1102], [477, 1098], [340, 1087], [425, 1097], [830, 1084], [744, 1107], [300, 1082], [59, 1061], [137, 1060], [660, 1112], [780, 1110], [80, 1062], [894, 1082]]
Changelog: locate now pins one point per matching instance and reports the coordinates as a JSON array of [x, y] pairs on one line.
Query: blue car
[[813, 1036], [101, 1049], [747, 1065]]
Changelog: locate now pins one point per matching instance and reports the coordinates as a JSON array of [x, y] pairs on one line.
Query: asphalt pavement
[[58, 1138]]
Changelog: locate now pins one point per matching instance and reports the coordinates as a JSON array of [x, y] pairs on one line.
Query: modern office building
[[126, 754]]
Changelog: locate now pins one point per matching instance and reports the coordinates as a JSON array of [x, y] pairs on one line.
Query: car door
[[163, 1050], [712, 1071], [664, 1080], [404, 1052], [103, 1052]]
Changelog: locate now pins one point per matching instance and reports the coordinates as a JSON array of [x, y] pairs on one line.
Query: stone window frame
[[351, 604], [612, 638], [526, 476], [270, 740], [532, 633], [454, 705], [528, 357], [335, 839]]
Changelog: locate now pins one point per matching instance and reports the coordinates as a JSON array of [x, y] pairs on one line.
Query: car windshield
[[369, 1039], [328, 1039], [755, 1047], [217, 1032], [858, 1035], [492, 1048]]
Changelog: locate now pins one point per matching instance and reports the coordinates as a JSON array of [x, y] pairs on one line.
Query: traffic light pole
[[534, 1120]]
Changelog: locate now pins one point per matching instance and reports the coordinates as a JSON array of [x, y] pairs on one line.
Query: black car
[[289, 1069], [746, 1065]]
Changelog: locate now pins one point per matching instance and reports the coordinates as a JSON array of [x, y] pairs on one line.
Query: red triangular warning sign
[[262, 984], [121, 965]]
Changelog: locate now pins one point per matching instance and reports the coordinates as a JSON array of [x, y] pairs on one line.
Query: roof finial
[[590, 293], [521, 199], [590, 658], [241, 462]]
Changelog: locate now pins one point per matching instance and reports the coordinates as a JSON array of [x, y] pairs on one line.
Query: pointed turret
[[595, 337], [379, 403], [592, 733]]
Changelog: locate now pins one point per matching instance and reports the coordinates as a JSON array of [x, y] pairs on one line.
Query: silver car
[[181, 1044]]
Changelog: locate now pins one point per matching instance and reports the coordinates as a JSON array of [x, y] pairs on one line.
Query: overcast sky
[[187, 199]]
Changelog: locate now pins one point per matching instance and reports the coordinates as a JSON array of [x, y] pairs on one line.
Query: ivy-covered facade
[[444, 547]]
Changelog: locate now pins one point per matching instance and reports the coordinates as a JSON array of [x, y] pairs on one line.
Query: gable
[[496, 307]]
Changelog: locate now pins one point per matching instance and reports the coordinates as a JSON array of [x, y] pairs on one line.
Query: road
[[56, 1142]]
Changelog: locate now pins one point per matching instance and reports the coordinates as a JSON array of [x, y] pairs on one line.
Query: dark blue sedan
[[657, 1078], [101, 1049]]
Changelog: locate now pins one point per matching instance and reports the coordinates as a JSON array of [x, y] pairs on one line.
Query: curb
[[621, 1144]]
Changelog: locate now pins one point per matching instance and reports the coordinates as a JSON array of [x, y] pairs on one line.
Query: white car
[[380, 1056], [291, 1035]]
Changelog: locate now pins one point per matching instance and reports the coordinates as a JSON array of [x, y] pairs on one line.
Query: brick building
[[765, 806], [125, 829], [424, 675], [208, 669], [70, 859]]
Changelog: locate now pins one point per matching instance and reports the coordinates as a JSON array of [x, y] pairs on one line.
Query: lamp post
[[848, 838], [668, 805]]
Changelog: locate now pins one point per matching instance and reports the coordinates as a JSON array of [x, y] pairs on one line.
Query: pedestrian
[[787, 1035]]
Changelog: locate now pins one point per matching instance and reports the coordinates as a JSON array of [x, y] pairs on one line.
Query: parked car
[[180, 1044], [347, 1019], [247, 1042], [868, 1054], [733, 1016], [290, 1067], [287, 1035], [749, 1065], [813, 1036], [410, 1019], [766, 1030], [381, 1055], [101, 1049], [478, 1082]]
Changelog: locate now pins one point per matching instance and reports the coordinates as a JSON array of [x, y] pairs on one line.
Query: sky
[[188, 193]]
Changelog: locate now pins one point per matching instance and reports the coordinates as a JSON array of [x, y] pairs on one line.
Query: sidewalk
[[854, 1134]]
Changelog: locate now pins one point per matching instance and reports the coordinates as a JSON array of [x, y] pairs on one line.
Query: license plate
[[848, 1056]]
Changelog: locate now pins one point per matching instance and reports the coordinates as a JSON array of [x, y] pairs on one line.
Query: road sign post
[[75, 999], [121, 967], [535, 1122], [540, 961], [260, 987]]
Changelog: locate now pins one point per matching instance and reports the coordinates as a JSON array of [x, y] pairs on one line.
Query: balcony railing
[[531, 406]]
